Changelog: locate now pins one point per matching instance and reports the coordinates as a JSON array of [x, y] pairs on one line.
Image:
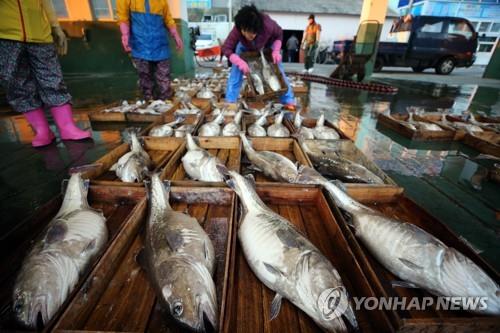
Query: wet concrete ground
[[436, 176]]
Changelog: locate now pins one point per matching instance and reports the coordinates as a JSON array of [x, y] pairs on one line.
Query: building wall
[[334, 27]]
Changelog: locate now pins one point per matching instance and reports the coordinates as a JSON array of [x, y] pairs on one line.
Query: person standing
[[143, 26], [310, 41], [253, 31], [292, 48], [30, 39]]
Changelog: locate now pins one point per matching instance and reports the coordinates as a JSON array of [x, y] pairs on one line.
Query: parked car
[[205, 41], [422, 42]]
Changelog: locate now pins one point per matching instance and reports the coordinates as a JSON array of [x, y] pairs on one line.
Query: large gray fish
[[269, 77], [134, 165], [212, 128], [166, 130], [331, 165], [52, 268], [205, 93], [180, 259], [271, 164], [412, 254], [199, 163], [257, 81], [287, 263], [305, 132], [278, 130], [460, 125], [322, 132], [257, 128], [233, 128]]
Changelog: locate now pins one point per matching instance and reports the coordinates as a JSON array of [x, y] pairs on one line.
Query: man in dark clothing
[[292, 47]]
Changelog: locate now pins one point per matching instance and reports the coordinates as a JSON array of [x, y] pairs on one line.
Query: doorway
[[293, 55]]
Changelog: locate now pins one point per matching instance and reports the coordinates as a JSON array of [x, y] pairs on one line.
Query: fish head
[[32, 308], [189, 293]]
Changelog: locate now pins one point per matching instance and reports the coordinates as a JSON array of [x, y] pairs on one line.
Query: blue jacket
[[149, 21]]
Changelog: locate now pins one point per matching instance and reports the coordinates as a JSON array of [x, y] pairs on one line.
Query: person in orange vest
[[143, 26], [30, 38], [310, 41]]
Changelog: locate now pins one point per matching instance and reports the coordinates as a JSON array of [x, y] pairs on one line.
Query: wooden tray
[[101, 116], [122, 210], [251, 94], [203, 104], [248, 301], [348, 150], [118, 297], [393, 123], [285, 146], [380, 279], [311, 123], [248, 120], [161, 151], [189, 119], [484, 142], [227, 149]]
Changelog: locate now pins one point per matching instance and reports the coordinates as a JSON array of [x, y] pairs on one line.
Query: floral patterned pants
[[161, 72], [31, 75]]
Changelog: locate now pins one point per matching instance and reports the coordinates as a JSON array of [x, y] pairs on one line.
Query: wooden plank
[[395, 122], [486, 143]]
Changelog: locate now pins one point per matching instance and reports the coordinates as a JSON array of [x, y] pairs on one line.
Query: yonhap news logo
[[333, 303]]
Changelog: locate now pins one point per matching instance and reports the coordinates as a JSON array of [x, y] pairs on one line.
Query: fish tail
[[191, 144], [159, 192]]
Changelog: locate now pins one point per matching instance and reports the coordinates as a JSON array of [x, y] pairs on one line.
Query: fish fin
[[273, 270], [403, 284], [174, 240], [251, 179], [113, 167], [275, 306], [287, 238], [253, 168], [339, 184], [56, 232], [85, 168], [409, 264], [140, 259], [206, 250], [90, 246]]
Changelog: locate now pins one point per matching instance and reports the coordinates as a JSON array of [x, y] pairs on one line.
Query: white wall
[[334, 27]]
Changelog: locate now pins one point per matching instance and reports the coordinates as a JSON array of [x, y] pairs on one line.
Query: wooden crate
[[484, 142], [227, 149], [430, 320], [311, 123], [123, 210], [393, 122], [101, 116], [302, 90], [348, 150], [251, 94], [249, 301], [203, 104], [118, 297], [160, 150], [189, 119], [248, 120]]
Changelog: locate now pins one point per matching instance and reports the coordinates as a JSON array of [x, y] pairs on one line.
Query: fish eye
[[177, 309]]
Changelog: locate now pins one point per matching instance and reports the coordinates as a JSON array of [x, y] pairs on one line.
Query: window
[[60, 8], [460, 28], [101, 9], [474, 24], [495, 27], [484, 26], [432, 27], [485, 47]]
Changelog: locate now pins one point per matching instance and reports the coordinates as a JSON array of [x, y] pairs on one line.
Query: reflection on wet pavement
[[435, 175]]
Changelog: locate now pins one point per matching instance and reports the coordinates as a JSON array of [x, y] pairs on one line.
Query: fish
[[166, 130], [278, 130], [411, 253], [423, 125], [125, 107], [322, 132], [160, 106], [199, 163], [233, 128], [179, 259], [306, 132], [180, 132], [187, 109], [257, 81], [331, 165], [205, 93], [212, 128], [269, 77], [59, 257], [257, 128], [287, 262], [134, 165], [271, 164]]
